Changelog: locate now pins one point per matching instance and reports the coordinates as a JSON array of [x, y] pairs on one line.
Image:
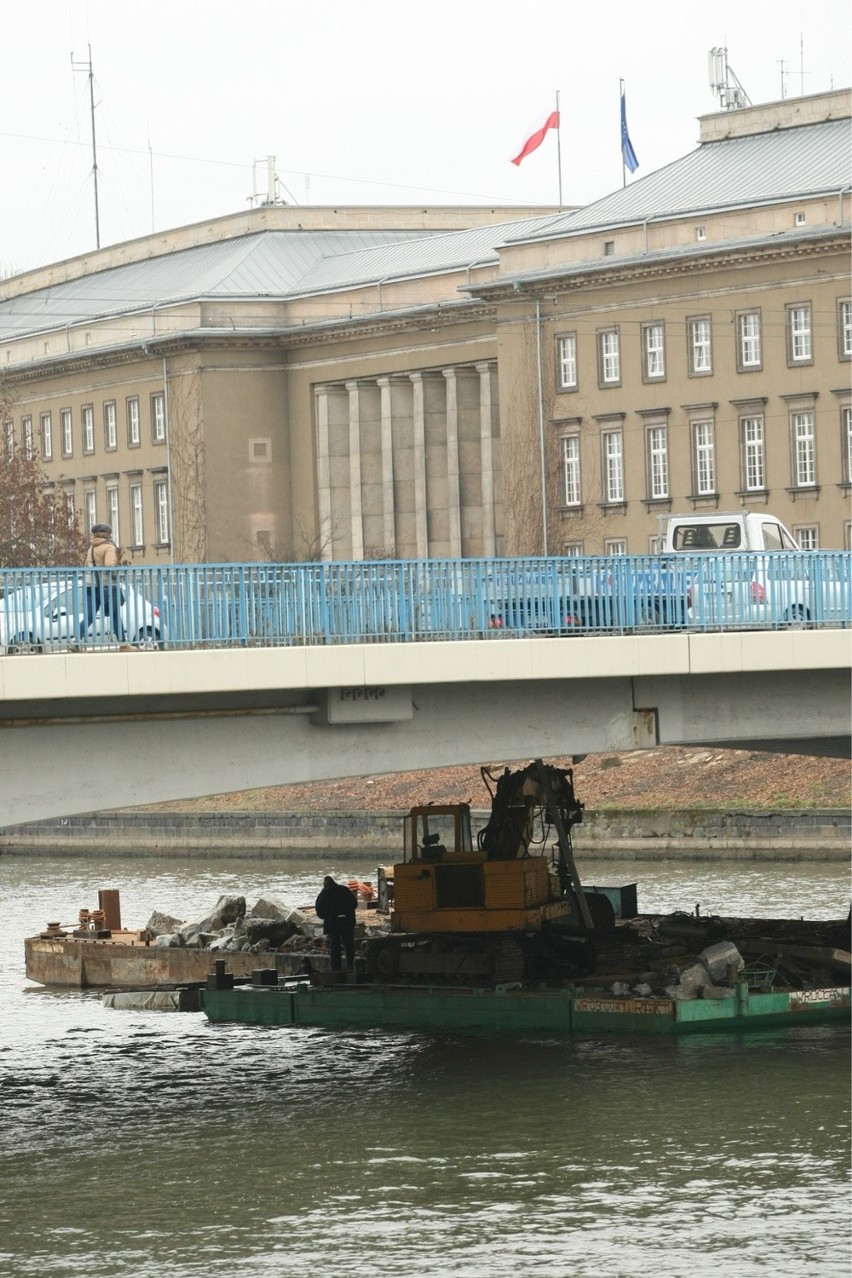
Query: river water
[[158, 1145]]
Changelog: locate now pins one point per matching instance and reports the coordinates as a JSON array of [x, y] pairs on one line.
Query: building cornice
[[662, 264]]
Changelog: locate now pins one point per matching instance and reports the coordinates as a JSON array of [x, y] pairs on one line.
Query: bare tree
[[187, 470], [39, 527]]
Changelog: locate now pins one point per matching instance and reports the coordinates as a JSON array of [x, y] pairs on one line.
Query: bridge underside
[[69, 754]]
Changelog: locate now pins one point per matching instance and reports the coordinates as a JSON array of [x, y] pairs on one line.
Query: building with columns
[[294, 383]]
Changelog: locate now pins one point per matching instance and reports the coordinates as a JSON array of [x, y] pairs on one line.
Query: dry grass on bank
[[668, 777]]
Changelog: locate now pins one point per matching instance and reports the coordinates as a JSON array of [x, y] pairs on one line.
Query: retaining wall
[[672, 835]]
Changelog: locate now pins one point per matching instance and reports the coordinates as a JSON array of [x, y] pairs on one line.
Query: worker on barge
[[336, 906]]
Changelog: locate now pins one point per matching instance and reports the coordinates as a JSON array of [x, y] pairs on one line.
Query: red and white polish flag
[[537, 137]]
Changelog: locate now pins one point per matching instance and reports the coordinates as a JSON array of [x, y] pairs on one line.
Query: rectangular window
[[161, 505], [133, 433], [846, 419], [27, 437], [748, 340], [613, 453], [112, 509], [91, 509], [571, 470], [804, 450], [704, 451], [158, 418], [9, 440], [609, 362], [653, 352], [67, 432], [136, 514], [844, 328], [615, 546], [566, 357], [572, 549], [807, 538], [69, 506], [754, 459], [658, 462], [655, 544], [700, 348], [799, 349], [88, 429], [110, 431], [46, 437]]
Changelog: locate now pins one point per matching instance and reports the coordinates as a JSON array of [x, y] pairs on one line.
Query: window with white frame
[[704, 453], [807, 536], [133, 432], [613, 456], [847, 535], [110, 429], [91, 509], [161, 506], [799, 345], [70, 508], [846, 421], [137, 533], [67, 432], [615, 546], [88, 414], [748, 340], [9, 440], [700, 347], [158, 418], [571, 470], [655, 544], [658, 461], [572, 549], [609, 358], [844, 328], [566, 360], [46, 437], [804, 450], [112, 509], [754, 455], [653, 352], [27, 437]]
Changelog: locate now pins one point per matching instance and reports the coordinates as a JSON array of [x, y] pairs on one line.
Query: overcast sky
[[362, 101]]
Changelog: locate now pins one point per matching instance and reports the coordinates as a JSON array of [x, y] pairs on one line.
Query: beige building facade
[[300, 383]]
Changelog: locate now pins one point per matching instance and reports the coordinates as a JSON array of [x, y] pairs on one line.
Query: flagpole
[[559, 146], [623, 165]]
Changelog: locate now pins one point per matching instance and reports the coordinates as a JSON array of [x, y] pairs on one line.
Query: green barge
[[521, 1010]]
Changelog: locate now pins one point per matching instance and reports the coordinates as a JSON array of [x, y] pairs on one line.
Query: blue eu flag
[[627, 152]]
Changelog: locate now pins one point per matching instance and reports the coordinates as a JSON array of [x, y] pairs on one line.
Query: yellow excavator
[[510, 907]]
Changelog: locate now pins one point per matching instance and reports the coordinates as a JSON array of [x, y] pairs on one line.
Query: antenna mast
[[724, 83], [87, 66]]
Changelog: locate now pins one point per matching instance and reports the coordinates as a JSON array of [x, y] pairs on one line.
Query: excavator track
[[446, 960]]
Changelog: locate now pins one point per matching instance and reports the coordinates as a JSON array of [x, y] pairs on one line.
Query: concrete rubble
[[270, 924]]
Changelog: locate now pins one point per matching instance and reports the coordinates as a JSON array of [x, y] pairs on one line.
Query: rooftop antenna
[[87, 66], [724, 83], [272, 184]]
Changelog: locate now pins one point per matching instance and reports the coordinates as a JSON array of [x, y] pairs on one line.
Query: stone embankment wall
[[820, 835]]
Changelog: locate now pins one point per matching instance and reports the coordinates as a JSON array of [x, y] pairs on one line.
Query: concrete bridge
[[86, 732]]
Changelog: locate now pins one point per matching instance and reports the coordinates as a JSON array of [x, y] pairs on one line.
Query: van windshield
[[717, 536]]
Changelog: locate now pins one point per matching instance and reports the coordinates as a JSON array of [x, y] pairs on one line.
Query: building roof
[[788, 164], [275, 264]]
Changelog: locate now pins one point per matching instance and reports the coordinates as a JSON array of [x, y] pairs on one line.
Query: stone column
[[323, 473], [486, 410], [453, 495], [355, 502], [388, 518], [420, 508]]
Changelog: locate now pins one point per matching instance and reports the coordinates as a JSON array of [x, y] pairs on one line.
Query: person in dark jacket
[[335, 905]]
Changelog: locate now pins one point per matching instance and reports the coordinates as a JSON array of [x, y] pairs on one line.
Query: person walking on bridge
[[336, 906], [103, 594]]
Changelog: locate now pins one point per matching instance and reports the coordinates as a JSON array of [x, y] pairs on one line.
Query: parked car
[[47, 615]]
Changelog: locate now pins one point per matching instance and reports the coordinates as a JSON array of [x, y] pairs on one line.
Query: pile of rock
[[270, 924]]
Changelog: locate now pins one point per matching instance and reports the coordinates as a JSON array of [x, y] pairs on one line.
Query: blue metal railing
[[391, 601]]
